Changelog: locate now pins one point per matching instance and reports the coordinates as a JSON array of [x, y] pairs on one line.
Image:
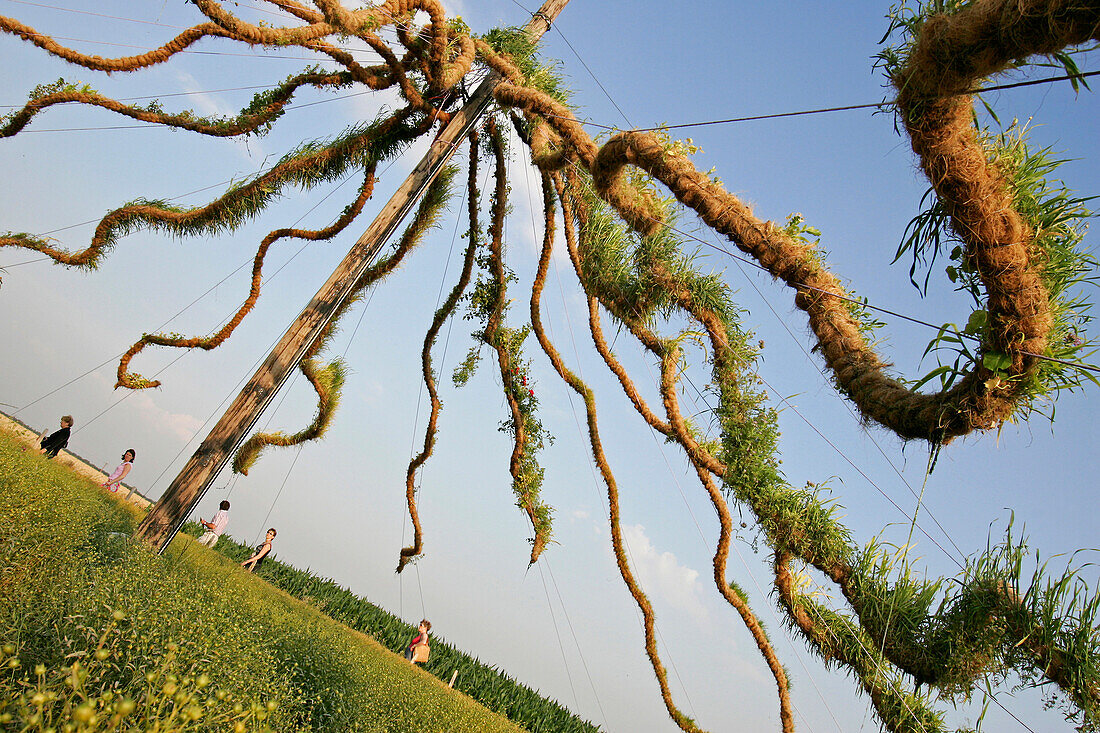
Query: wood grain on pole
[[188, 488]]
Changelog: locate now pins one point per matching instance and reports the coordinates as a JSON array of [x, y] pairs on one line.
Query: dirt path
[[77, 464]]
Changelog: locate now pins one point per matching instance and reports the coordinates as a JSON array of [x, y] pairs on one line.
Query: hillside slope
[[100, 628]]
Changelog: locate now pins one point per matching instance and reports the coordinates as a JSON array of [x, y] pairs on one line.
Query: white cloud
[[369, 106], [372, 392], [584, 517], [208, 106], [662, 576], [454, 8], [203, 102], [177, 424]]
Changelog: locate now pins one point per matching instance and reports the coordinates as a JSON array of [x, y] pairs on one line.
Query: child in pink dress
[[115, 479]]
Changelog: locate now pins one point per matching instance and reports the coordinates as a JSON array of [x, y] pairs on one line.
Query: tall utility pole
[[166, 516]]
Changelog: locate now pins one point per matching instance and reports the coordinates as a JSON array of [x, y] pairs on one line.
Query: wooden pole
[[187, 489]]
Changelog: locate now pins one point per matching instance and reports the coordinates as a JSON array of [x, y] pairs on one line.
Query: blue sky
[[566, 626]]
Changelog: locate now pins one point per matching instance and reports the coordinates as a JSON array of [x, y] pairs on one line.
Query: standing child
[[115, 479], [420, 640], [52, 445], [215, 526]]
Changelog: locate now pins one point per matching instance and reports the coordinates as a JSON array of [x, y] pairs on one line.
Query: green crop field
[[488, 685], [99, 634]]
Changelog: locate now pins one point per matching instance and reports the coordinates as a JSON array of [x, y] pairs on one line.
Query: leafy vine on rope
[[1038, 643], [488, 305], [1011, 234]]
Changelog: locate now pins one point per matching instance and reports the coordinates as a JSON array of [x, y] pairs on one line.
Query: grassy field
[[488, 685], [98, 634]]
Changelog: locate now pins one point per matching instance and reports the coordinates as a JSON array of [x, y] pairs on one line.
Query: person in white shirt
[[215, 526]]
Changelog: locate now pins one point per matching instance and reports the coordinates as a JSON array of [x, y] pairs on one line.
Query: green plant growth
[[80, 696], [1058, 219], [488, 306]]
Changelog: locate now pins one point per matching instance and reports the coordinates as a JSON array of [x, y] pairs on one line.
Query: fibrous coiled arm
[[527, 437], [796, 523], [618, 544], [444, 312], [437, 51], [265, 108], [327, 381], [125, 63], [599, 262], [1016, 300], [933, 646]]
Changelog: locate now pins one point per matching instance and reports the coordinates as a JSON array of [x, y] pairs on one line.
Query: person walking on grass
[[52, 445], [115, 479], [262, 551], [420, 640], [215, 526]]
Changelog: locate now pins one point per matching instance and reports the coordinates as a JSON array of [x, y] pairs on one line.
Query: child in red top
[[419, 639]]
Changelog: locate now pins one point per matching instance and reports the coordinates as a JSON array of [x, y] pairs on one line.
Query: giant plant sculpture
[[1016, 251]]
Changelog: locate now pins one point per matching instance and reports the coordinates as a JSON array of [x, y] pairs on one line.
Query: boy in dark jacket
[[52, 445]]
